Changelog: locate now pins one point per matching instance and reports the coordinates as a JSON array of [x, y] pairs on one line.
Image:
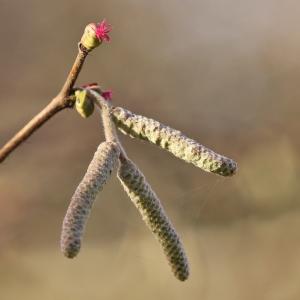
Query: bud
[[84, 105], [94, 34], [89, 38]]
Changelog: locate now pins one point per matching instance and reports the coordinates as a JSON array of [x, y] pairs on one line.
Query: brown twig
[[58, 103], [76, 68]]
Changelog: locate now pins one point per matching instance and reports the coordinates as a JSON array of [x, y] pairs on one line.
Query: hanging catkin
[[172, 140], [148, 204], [97, 174]]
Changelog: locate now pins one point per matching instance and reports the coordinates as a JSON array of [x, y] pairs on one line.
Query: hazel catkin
[[97, 174], [153, 214], [173, 141]]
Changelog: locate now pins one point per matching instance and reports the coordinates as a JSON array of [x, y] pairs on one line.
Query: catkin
[[149, 206], [97, 174], [172, 140]]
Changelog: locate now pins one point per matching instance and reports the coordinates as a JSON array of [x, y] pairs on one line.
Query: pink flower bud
[[94, 34]]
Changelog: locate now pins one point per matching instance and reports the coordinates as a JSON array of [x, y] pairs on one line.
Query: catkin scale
[[152, 212], [97, 174], [173, 141]]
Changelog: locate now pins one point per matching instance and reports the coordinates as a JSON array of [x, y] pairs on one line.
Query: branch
[[76, 68], [58, 103], [42, 117], [93, 35]]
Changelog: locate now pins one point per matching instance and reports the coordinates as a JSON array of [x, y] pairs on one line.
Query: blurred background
[[226, 73]]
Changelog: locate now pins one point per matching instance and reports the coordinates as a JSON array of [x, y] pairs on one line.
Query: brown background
[[225, 72]]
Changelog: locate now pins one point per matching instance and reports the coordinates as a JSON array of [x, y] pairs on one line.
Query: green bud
[[84, 105], [89, 38]]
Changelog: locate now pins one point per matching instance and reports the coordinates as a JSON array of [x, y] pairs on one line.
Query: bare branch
[[61, 101], [76, 68], [42, 117]]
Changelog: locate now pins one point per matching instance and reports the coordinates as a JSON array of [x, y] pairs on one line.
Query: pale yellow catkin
[[153, 214], [173, 141], [97, 174]]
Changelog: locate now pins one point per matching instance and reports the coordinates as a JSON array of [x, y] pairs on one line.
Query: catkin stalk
[[173, 141], [153, 214], [97, 174]]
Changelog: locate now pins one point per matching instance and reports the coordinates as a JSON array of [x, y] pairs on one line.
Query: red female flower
[[102, 31], [107, 95]]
